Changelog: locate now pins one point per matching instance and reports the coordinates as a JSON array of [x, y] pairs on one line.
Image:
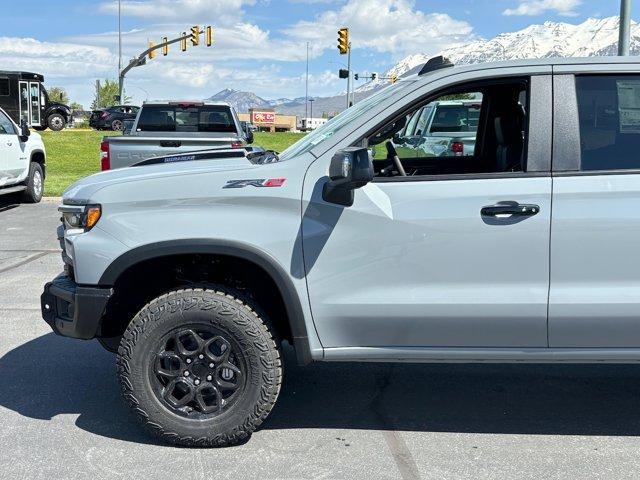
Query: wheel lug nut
[[201, 356], [186, 373], [209, 377], [211, 365], [188, 360], [197, 382]]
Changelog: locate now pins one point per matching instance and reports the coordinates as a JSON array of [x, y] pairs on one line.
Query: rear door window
[[176, 118], [609, 118]]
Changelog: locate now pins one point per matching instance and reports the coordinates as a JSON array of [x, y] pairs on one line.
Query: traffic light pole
[[142, 60], [349, 77]]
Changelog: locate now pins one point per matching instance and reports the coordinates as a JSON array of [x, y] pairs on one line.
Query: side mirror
[[350, 168], [247, 131], [24, 131]]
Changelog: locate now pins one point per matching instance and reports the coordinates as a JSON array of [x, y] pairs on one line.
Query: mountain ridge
[[593, 37]]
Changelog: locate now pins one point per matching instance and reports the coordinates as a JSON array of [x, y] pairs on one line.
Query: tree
[[457, 96], [58, 94], [106, 97], [75, 106]]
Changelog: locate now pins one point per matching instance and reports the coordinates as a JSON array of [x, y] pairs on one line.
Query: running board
[[482, 355], [17, 188]]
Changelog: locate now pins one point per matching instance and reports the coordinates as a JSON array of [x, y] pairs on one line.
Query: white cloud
[[55, 59], [219, 10], [389, 26], [538, 7], [239, 41]]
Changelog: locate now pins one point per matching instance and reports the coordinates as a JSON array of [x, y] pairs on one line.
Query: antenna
[[435, 63]]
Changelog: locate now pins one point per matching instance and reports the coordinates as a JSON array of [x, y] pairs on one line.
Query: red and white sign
[[263, 117]]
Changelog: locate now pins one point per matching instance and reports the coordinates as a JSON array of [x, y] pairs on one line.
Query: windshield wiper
[[263, 157]]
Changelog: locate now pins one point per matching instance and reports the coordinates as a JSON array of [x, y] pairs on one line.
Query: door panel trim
[[566, 126], [461, 176]]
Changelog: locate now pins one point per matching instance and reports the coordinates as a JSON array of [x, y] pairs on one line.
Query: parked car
[[167, 128], [24, 98], [112, 118], [196, 271], [441, 128], [22, 160]]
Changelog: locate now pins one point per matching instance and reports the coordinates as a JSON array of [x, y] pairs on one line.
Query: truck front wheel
[[56, 122], [200, 367]]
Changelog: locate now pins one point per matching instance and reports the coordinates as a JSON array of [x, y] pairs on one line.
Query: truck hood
[[81, 192]]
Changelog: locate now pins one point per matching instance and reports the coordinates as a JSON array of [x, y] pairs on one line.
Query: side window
[[480, 130], [6, 126], [609, 117], [4, 87]]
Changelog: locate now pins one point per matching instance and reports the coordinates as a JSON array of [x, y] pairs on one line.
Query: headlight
[[79, 219]]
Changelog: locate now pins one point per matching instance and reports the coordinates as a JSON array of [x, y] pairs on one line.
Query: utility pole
[[625, 27], [120, 38], [306, 85], [349, 77], [311, 100]]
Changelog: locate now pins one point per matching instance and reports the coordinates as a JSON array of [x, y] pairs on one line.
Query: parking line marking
[[405, 463], [25, 261], [401, 455]]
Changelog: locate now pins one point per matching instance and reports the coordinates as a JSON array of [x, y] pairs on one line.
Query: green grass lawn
[[73, 154]]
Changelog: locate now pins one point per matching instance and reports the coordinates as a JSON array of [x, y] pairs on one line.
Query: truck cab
[[523, 251], [24, 97]]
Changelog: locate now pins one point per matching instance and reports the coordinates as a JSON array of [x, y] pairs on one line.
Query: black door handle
[[168, 143], [509, 208]]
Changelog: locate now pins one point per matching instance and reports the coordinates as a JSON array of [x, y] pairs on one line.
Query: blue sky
[[259, 44]]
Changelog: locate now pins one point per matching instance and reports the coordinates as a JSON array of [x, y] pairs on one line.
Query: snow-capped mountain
[[241, 101], [593, 37]]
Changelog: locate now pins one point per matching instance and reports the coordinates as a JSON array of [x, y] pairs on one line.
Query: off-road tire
[[35, 187], [56, 122], [223, 309]]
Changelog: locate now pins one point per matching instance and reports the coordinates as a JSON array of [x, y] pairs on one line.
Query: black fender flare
[[43, 164], [250, 253]]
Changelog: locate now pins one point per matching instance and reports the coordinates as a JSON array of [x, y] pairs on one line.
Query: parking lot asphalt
[[61, 415]]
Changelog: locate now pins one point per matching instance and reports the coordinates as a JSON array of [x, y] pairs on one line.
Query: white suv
[[22, 160]]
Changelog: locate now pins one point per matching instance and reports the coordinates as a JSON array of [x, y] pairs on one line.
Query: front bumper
[[72, 310]]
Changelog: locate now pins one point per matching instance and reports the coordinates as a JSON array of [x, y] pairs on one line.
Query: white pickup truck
[[169, 128], [22, 160]]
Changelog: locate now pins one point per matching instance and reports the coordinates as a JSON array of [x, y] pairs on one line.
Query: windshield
[[336, 123]]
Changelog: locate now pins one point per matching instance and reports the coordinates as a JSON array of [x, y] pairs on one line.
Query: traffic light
[[183, 42], [208, 36], [195, 35], [343, 40], [343, 73], [394, 78], [165, 46], [374, 76], [152, 53]]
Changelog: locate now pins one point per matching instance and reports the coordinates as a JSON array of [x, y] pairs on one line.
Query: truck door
[[595, 266], [456, 253], [30, 102], [8, 138]]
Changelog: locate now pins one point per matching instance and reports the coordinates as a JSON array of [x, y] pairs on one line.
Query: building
[[266, 119], [311, 123]]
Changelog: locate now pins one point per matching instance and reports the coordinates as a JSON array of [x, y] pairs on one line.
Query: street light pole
[[119, 36], [625, 27], [306, 85], [349, 77]]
